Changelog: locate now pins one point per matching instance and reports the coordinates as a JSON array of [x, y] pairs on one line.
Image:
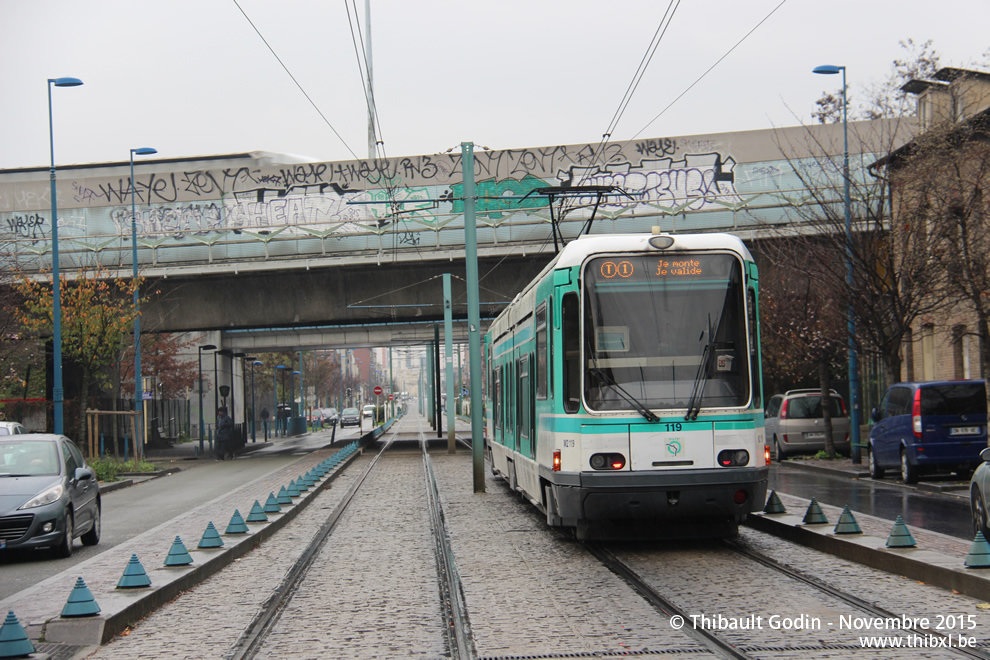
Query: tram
[[624, 393]]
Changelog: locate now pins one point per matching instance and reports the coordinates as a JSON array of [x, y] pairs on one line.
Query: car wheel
[[979, 511], [909, 473], [876, 472], [778, 450], [92, 537], [64, 548]]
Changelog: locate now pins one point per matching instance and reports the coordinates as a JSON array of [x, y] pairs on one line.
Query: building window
[[928, 351]]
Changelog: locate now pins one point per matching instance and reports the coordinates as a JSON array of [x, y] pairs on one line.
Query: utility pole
[[372, 140]]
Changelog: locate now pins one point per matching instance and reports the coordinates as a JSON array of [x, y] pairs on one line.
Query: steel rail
[[844, 596], [253, 637]]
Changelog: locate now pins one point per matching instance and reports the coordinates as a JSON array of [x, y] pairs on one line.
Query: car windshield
[[350, 411], [28, 458]]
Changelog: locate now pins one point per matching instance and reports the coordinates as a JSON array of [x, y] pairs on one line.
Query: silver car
[[795, 424], [48, 495]]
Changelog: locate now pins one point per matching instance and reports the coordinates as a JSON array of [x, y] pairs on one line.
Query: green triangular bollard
[[236, 524], [211, 538], [177, 554], [814, 515], [293, 490], [257, 514], [14, 641], [900, 536], [134, 575], [271, 504], [979, 554], [81, 601], [847, 523], [302, 485], [283, 496], [774, 505]]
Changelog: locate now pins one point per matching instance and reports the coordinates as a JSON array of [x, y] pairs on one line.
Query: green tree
[[97, 313]]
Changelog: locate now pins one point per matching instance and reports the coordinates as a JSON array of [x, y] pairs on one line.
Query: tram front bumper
[[711, 493]]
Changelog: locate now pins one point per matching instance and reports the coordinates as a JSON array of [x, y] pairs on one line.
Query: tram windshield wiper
[[704, 371], [604, 377]]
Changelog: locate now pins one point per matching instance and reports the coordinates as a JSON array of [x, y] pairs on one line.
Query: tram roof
[[578, 250]]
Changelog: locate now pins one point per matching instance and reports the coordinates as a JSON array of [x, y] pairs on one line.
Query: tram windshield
[[665, 331]]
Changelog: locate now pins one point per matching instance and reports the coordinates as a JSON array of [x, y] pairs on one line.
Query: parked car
[[12, 428], [350, 417], [795, 423], [925, 427], [330, 416], [368, 411], [48, 495]]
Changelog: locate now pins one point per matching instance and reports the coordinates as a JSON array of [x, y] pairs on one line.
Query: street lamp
[[256, 363], [57, 393], [204, 347], [829, 69], [138, 395]]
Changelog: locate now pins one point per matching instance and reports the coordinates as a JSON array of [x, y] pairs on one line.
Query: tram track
[[455, 625], [739, 646]]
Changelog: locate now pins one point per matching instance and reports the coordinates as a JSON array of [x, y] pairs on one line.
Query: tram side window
[[570, 330], [541, 352], [497, 399]]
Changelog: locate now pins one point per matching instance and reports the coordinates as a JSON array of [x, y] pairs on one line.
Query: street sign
[[378, 390], [146, 395], [389, 397]]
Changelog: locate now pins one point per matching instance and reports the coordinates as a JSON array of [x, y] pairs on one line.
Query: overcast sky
[[193, 77]]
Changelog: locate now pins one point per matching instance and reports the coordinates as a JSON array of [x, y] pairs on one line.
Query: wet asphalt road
[[946, 513]]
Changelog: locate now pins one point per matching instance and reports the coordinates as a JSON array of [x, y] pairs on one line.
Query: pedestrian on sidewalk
[[264, 421], [225, 434]]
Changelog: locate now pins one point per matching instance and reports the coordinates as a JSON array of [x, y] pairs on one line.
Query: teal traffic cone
[[847, 523], [211, 538], [283, 496], [814, 515], [774, 505], [134, 575], [81, 601], [257, 513], [900, 536], [178, 555], [271, 504], [14, 642], [979, 553], [236, 524]]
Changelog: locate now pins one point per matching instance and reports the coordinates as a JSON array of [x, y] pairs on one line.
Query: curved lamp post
[[57, 392], [138, 385], [830, 69], [204, 347]]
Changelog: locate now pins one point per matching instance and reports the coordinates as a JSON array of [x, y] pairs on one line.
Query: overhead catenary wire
[[294, 80]]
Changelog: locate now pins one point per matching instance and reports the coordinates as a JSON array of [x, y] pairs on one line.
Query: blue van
[[927, 427]]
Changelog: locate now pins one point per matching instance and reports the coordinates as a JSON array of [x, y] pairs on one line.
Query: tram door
[[525, 417]]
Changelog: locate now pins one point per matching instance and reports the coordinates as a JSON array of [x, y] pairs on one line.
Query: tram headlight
[[733, 457], [608, 461]]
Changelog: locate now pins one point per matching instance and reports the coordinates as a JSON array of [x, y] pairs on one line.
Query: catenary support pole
[[437, 406], [448, 357], [474, 316]]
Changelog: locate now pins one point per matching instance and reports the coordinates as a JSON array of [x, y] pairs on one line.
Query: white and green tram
[[624, 390]]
